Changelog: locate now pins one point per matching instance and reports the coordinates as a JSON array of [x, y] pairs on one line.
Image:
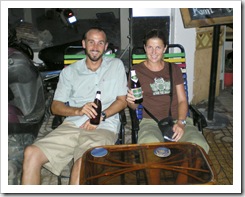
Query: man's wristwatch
[[183, 122], [103, 116]]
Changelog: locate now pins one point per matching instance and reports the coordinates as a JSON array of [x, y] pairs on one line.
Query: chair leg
[[123, 122], [198, 118], [121, 135], [57, 121], [134, 125], [59, 180], [60, 177]]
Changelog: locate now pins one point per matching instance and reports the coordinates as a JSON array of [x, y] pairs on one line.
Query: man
[[77, 85]]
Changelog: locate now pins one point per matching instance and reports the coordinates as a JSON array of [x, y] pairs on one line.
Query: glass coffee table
[[169, 163]]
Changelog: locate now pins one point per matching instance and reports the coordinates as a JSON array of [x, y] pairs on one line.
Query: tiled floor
[[220, 141]]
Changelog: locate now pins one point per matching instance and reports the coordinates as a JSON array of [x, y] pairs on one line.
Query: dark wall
[[50, 20], [141, 25]]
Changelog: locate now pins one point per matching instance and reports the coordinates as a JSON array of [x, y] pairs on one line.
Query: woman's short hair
[[155, 33]]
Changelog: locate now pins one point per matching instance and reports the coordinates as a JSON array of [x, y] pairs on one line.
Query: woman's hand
[[130, 97], [178, 131]]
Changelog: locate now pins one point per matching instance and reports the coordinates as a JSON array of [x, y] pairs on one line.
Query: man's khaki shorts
[[67, 142]]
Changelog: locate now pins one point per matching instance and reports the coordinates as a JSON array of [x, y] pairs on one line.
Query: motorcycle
[[27, 105], [26, 96]]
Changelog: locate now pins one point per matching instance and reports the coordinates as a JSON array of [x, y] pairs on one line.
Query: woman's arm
[[178, 128], [182, 102]]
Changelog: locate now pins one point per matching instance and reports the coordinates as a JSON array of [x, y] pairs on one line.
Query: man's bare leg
[[75, 174], [34, 159]]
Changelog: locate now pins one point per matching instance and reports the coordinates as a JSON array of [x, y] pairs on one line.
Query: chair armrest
[[198, 118]]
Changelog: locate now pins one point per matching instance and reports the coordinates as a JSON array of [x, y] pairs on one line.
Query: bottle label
[[134, 78], [137, 93]]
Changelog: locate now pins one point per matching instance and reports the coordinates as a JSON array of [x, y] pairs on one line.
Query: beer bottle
[[136, 87], [97, 101]]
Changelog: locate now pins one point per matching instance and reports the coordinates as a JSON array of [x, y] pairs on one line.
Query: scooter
[[26, 103], [26, 95], [26, 108]]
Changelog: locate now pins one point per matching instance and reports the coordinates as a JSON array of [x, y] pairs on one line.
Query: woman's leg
[[192, 135], [149, 132]]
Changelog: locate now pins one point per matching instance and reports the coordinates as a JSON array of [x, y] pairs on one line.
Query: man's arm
[[59, 108]]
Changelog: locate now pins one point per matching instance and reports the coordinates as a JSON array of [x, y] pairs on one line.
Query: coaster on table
[[99, 152], [162, 152]]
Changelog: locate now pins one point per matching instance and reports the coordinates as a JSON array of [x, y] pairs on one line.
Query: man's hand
[[87, 109], [88, 126]]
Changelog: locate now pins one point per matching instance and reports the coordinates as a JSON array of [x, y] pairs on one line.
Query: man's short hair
[[100, 29]]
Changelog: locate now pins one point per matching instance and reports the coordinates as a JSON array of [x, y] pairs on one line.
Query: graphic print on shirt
[[160, 86]]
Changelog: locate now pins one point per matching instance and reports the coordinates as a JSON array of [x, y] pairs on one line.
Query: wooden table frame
[[187, 164]]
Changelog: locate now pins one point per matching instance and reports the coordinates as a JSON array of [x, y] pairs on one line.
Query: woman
[[152, 74]]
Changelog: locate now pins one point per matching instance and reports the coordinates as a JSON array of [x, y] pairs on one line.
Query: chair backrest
[[138, 56], [75, 53]]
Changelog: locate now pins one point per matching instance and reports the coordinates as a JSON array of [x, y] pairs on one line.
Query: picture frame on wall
[[203, 17]]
